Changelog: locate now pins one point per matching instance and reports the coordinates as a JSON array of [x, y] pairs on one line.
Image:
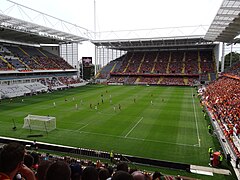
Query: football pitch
[[164, 123]]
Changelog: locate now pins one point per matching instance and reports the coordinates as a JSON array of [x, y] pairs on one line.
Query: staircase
[[160, 80], [23, 51], [42, 52], [8, 64], [98, 73], [185, 80], [169, 61], [155, 61], [113, 67], [23, 63], [33, 59], [128, 64], [141, 63], [209, 76], [214, 63], [183, 67], [137, 80], [199, 63]]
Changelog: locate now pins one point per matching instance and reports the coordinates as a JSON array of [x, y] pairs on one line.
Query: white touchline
[[134, 127], [199, 141]]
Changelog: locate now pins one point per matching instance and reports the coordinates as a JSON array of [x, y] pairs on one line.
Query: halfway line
[[134, 127]]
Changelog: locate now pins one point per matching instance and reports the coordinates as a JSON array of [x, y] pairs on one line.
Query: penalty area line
[[133, 127], [83, 127]]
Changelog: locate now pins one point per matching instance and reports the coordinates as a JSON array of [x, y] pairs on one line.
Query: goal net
[[41, 123]]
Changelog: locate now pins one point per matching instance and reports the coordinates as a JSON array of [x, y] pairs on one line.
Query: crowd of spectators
[[162, 80], [191, 62], [222, 98], [60, 82], [30, 58], [135, 62], [117, 79], [172, 81], [70, 80], [148, 62], [18, 163], [163, 63], [149, 80], [160, 66], [38, 86], [207, 63], [176, 63], [234, 70], [125, 62], [51, 83], [52, 63]]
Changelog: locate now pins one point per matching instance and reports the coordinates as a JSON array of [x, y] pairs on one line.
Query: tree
[[235, 58]]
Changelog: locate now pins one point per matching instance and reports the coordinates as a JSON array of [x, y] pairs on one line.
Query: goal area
[[41, 123]]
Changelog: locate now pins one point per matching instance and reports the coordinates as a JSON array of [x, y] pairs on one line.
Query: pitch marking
[[131, 138], [195, 117], [133, 127]]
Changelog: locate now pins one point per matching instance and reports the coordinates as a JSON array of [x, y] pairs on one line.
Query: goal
[[41, 123]]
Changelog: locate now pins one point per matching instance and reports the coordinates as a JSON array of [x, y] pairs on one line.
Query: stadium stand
[[10, 91], [234, 70], [28, 70], [162, 68], [31, 58], [36, 87], [222, 99], [206, 63]]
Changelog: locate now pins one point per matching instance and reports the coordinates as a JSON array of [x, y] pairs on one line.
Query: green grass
[[172, 128]]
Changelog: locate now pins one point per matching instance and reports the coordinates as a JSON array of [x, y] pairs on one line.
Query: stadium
[[154, 101]]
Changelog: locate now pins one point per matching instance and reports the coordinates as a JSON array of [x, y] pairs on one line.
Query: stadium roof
[[22, 31], [167, 43], [226, 24]]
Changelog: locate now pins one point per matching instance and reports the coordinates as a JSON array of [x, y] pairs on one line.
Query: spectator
[[76, 171], [11, 162], [42, 169], [138, 175], [110, 170], [157, 176], [36, 160], [103, 174], [28, 160], [58, 170], [122, 175], [90, 173], [123, 166]]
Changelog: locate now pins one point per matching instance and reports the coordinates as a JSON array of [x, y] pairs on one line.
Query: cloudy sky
[[113, 15], [116, 15]]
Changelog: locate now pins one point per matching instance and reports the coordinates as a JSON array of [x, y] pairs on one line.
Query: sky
[[116, 15]]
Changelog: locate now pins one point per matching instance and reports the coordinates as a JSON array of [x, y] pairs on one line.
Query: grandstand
[[28, 68], [161, 62]]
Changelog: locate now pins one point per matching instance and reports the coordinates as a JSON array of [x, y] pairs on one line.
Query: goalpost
[[41, 123]]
